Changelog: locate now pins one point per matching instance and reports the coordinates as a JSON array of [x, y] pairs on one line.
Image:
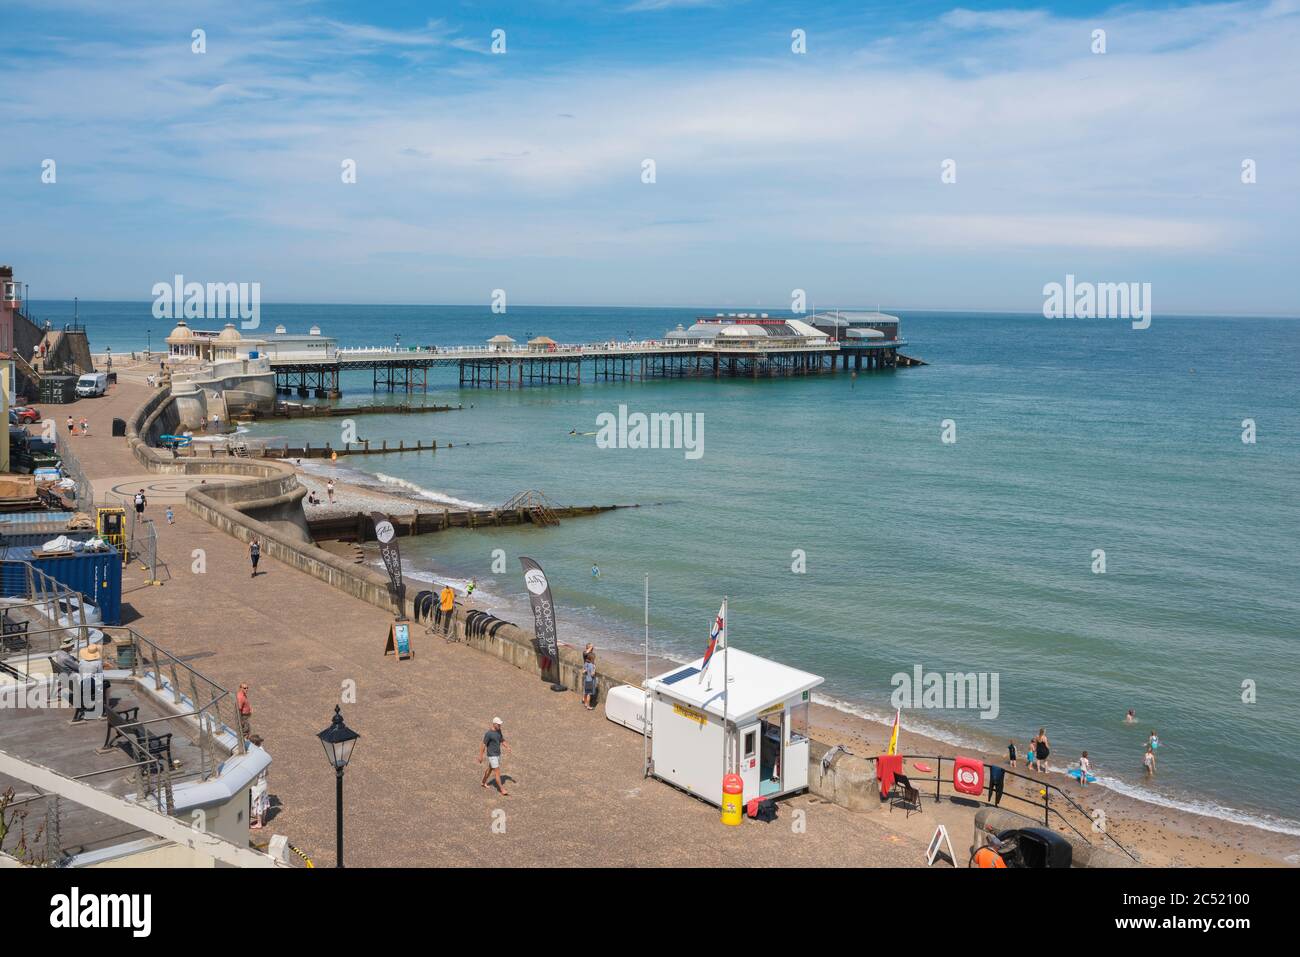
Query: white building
[[767, 706]]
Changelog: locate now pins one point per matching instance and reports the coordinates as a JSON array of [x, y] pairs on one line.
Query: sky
[[525, 170]]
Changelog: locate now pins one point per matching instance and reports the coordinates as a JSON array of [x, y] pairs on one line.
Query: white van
[[92, 384]]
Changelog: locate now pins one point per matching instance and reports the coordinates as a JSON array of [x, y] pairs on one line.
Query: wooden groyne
[[327, 450], [290, 410], [359, 527]]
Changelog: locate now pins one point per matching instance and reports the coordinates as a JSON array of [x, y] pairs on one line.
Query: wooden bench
[[122, 726]]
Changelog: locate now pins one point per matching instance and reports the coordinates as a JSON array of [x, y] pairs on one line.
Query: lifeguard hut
[[766, 726]]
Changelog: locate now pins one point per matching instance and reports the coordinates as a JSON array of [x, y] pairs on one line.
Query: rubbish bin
[[119, 426]]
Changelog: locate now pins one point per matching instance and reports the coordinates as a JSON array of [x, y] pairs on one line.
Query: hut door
[[770, 754], [749, 737]]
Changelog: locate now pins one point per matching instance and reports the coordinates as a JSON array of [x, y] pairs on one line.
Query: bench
[[13, 632], [122, 726]]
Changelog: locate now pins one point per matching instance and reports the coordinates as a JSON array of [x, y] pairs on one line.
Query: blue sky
[[774, 171]]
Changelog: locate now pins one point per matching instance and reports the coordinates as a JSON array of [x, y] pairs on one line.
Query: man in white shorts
[[493, 742]]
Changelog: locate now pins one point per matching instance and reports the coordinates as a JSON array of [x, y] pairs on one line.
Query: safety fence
[[142, 546], [1042, 801], [84, 491]]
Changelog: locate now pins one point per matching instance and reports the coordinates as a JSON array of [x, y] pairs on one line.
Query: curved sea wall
[[273, 499]]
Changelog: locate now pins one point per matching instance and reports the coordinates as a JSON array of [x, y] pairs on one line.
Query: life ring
[[968, 775]]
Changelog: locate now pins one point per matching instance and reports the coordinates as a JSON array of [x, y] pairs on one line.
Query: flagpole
[[645, 707], [726, 643]]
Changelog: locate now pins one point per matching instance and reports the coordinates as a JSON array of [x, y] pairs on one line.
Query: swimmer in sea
[[595, 571], [1131, 717]]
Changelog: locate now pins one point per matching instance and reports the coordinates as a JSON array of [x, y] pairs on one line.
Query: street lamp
[[338, 740]]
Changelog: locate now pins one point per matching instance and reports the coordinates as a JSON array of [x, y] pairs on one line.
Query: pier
[[517, 367]]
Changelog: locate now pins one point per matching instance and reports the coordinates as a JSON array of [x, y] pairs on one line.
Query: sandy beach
[[1162, 836]]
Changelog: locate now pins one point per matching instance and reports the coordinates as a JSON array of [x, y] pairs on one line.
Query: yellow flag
[[893, 736]]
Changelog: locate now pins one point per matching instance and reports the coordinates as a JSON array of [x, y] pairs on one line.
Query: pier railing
[[1042, 805]]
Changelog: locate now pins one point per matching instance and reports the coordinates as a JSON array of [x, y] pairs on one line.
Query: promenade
[[577, 796]]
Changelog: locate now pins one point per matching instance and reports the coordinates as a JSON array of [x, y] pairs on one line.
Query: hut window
[[798, 722]]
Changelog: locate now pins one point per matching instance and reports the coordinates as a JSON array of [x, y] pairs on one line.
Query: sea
[[1104, 518]]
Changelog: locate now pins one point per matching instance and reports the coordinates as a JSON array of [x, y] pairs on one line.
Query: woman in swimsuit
[[1042, 749]]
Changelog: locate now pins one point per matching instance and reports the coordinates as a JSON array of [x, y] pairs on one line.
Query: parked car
[[25, 414]]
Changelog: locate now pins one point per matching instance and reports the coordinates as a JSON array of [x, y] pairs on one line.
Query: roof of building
[[842, 317], [229, 334], [182, 332], [753, 683]]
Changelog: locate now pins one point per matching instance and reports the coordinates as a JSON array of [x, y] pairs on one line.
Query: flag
[[893, 736], [717, 638]]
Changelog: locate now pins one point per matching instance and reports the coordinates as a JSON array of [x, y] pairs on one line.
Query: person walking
[[85, 426], [140, 503], [493, 741], [329, 490], [588, 679], [447, 608], [1149, 762], [171, 516], [245, 710], [72, 426], [1153, 742], [254, 554]]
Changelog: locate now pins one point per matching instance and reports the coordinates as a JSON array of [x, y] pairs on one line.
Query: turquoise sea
[[1072, 436]]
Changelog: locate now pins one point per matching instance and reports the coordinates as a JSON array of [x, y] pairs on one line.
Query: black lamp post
[[338, 740]]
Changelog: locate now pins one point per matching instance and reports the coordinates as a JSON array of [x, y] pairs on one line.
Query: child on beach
[[329, 489], [171, 517], [1011, 752], [588, 679], [1149, 762], [1085, 768], [1031, 754]]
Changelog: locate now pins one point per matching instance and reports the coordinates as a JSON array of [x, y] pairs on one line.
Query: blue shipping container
[[96, 575]]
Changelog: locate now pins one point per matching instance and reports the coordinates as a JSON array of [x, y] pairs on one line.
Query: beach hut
[[542, 344], [497, 343], [766, 726]]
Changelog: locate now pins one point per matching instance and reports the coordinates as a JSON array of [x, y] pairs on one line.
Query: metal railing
[[1044, 789]]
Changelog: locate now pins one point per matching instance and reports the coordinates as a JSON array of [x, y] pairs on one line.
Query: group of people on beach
[[1039, 749], [72, 426]]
